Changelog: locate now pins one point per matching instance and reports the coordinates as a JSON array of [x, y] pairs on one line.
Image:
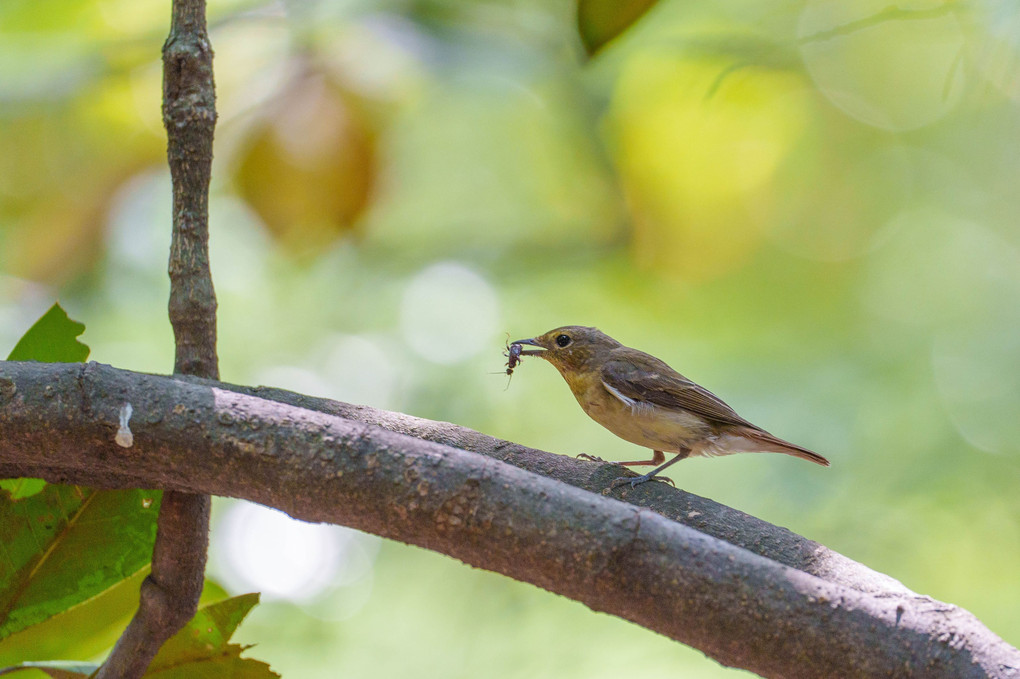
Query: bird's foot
[[636, 481], [586, 456]]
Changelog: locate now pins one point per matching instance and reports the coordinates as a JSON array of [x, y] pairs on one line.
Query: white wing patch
[[623, 399], [631, 403]]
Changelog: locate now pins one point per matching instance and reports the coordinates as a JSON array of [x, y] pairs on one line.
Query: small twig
[[169, 595]]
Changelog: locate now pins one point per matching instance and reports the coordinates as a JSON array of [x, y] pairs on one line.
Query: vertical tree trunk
[[169, 595]]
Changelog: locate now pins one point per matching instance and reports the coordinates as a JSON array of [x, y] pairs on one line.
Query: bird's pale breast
[[642, 423]]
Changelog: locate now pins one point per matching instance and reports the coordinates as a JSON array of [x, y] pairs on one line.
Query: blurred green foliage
[[600, 21], [809, 207]]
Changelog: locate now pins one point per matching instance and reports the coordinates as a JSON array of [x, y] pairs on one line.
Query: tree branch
[[169, 595], [189, 115], [59, 422], [704, 515]]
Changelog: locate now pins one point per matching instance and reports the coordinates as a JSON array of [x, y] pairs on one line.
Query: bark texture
[[189, 115], [741, 608], [704, 515]]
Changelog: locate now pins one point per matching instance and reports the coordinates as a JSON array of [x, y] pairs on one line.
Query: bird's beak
[[530, 342]]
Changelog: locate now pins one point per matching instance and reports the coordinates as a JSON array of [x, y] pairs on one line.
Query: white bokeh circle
[[262, 549], [448, 313]]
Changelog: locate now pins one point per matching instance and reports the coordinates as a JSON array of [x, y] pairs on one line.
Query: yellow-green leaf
[[202, 648]]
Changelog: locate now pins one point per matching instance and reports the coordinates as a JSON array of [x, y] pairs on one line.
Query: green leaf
[[22, 488], [53, 339], [58, 669], [90, 628], [599, 21], [67, 544], [83, 631], [201, 649]]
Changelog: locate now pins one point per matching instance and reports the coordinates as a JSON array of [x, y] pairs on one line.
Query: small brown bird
[[642, 400]]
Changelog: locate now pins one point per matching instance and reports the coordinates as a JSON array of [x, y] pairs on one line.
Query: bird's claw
[[636, 481], [586, 456]]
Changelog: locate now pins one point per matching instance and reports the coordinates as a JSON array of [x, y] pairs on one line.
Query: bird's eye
[[562, 340]]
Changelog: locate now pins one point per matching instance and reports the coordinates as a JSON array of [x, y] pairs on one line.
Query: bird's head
[[570, 348]]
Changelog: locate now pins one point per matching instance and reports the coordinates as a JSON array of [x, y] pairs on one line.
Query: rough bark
[[704, 515], [189, 115], [744, 610], [169, 595]]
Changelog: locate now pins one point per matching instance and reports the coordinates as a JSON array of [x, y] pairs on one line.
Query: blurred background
[[808, 206]]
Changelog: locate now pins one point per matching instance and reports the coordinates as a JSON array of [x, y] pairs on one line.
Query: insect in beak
[[513, 357], [527, 352], [514, 351]]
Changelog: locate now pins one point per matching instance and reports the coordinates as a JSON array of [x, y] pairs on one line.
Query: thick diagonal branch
[[704, 515], [740, 608], [169, 595]]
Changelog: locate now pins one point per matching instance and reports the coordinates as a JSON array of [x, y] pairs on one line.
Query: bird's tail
[[766, 442]]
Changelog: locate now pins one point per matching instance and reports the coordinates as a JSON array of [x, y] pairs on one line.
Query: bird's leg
[[635, 481], [586, 456], [658, 457]]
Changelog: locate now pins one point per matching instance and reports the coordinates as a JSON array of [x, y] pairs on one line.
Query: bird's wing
[[660, 385]]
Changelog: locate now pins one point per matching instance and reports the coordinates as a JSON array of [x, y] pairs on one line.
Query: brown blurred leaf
[[309, 168], [599, 21]]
